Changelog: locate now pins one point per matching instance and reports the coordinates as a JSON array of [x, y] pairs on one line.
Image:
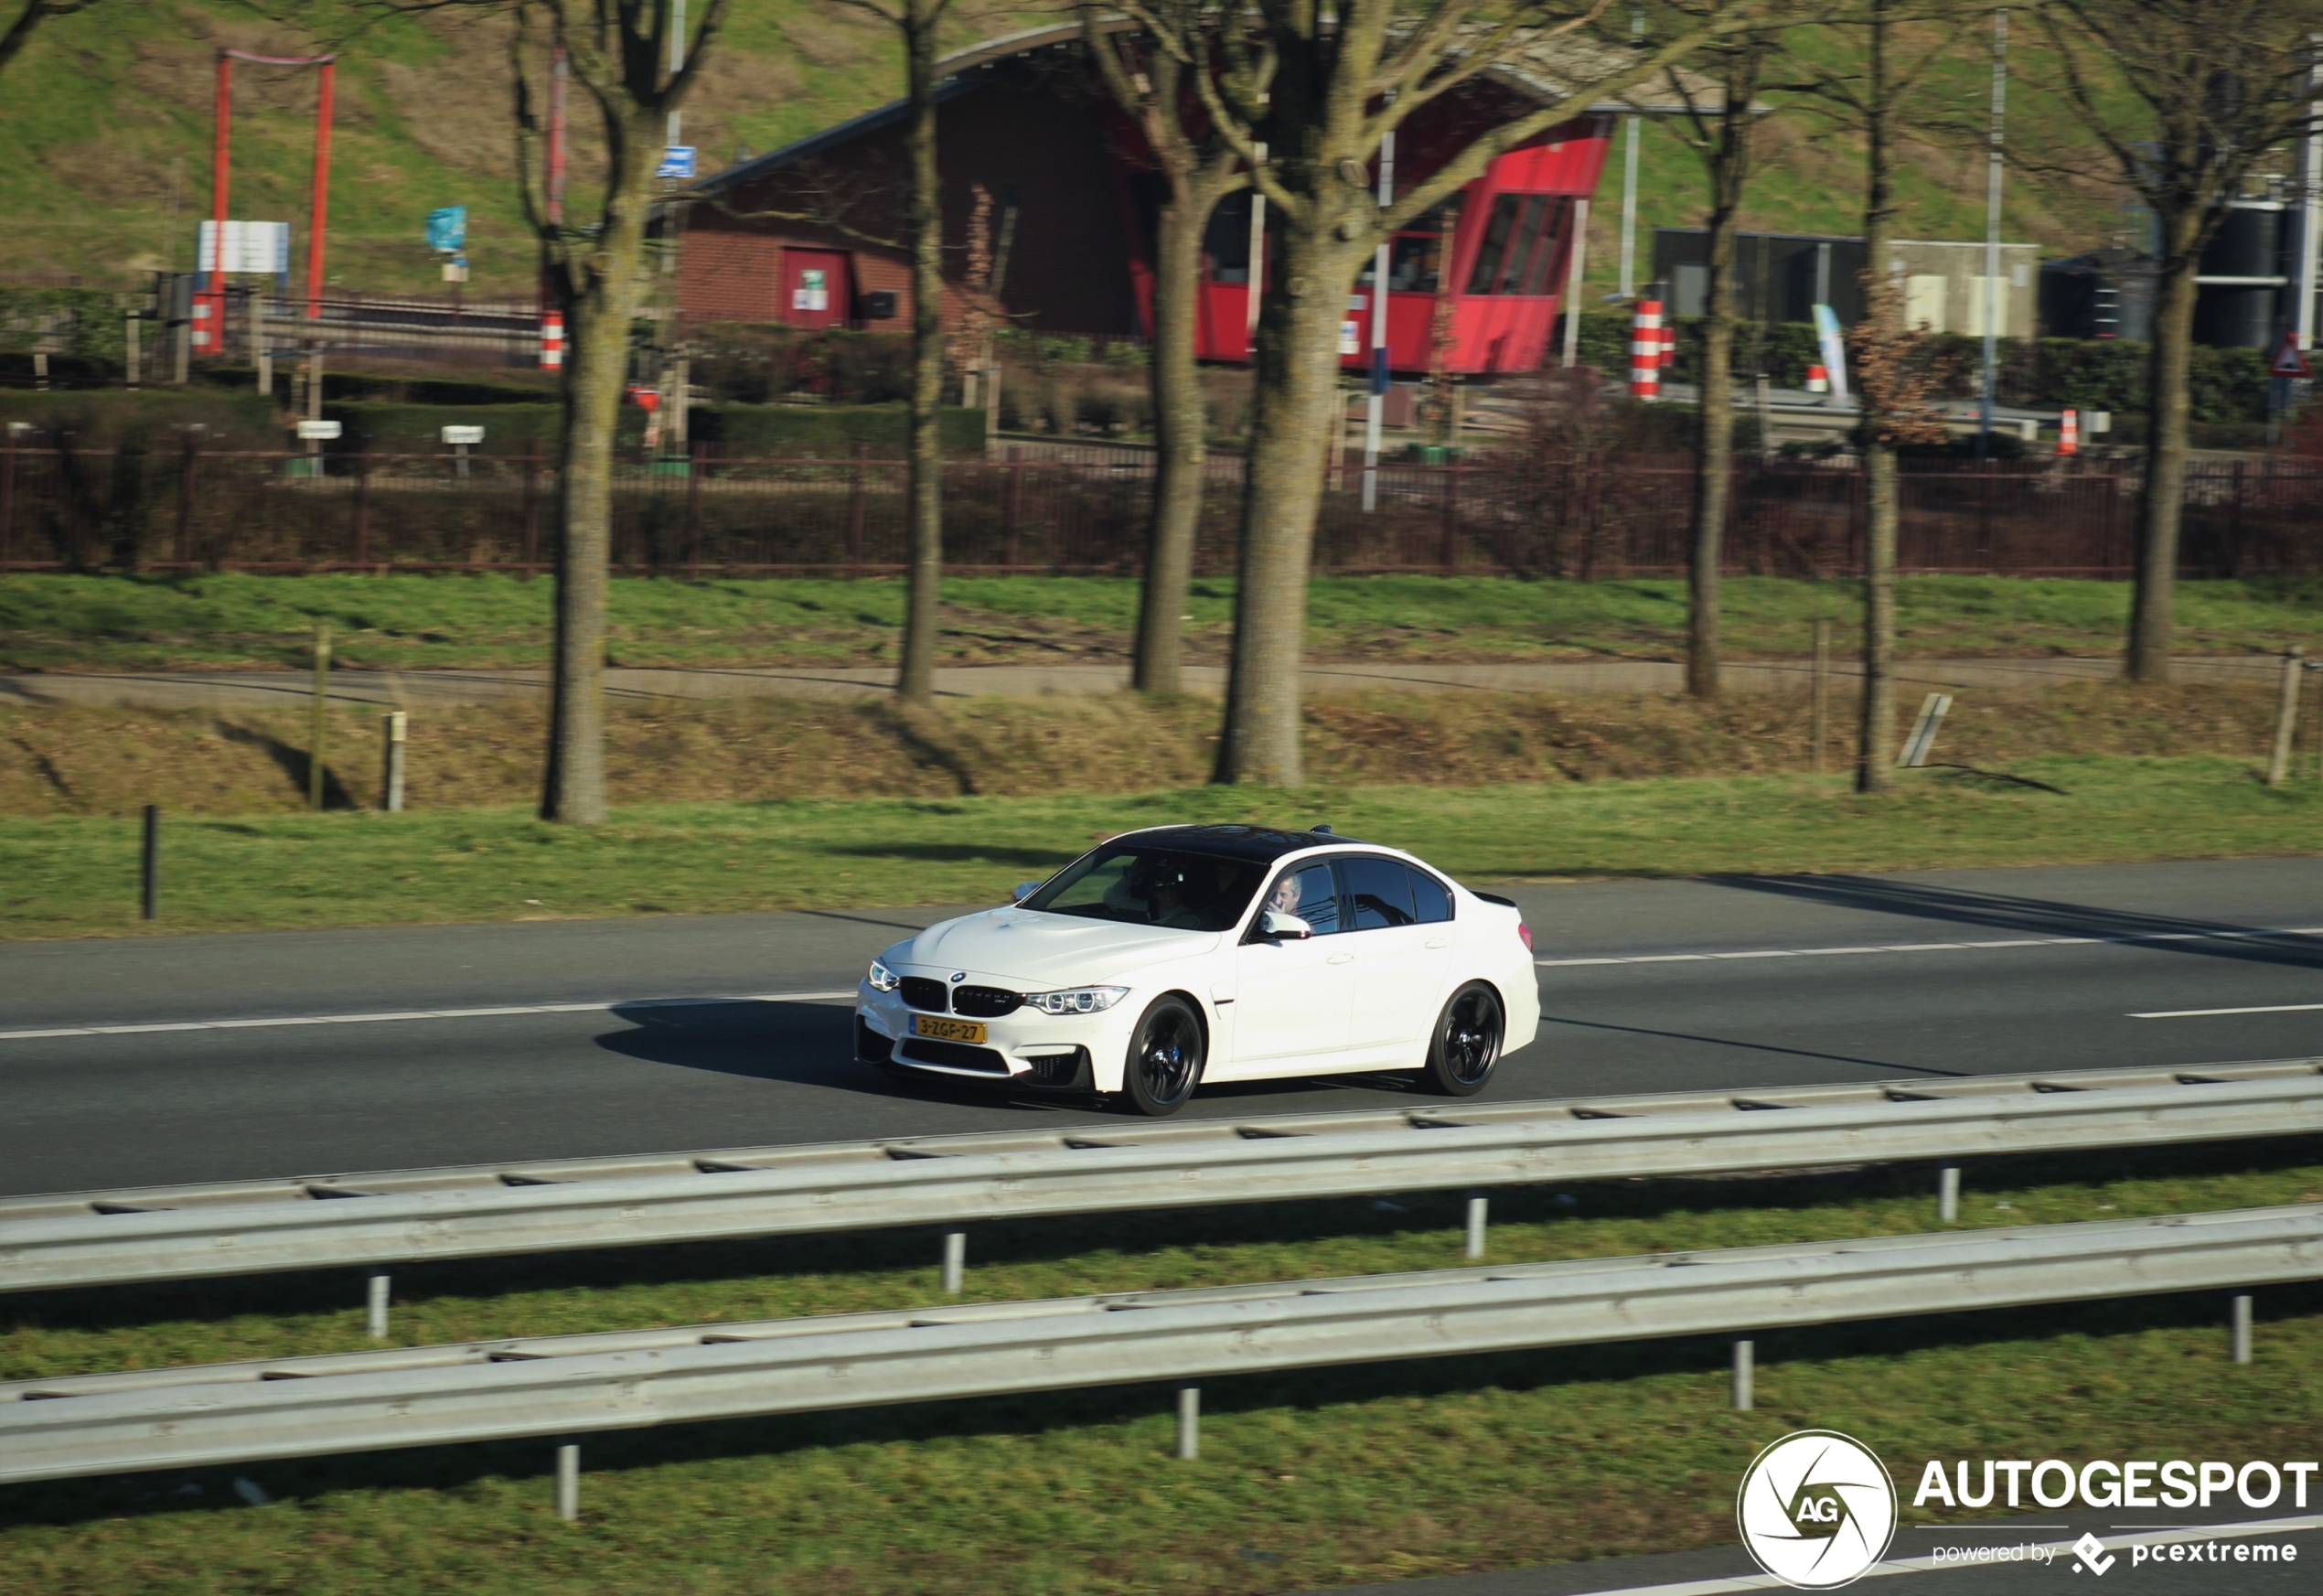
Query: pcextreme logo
[[1817, 1509]]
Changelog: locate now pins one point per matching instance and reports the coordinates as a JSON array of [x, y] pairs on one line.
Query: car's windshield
[[1152, 887]]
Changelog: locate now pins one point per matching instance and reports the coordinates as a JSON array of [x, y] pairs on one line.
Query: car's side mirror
[[1025, 889], [1276, 926]]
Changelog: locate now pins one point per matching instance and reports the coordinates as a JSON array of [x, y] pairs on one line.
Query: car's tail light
[[1524, 934]]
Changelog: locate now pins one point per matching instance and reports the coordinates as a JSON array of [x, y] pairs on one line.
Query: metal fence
[[187, 507]]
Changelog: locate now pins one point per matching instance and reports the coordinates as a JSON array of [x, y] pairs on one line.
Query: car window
[[1151, 886], [1430, 899], [1380, 891], [1309, 892]]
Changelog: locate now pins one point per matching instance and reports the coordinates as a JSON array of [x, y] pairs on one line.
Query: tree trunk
[[1713, 462], [916, 680], [611, 285], [2152, 616], [1874, 769], [1294, 400], [1180, 423]]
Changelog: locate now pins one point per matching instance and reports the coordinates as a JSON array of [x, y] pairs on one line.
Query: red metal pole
[[206, 333], [318, 223]]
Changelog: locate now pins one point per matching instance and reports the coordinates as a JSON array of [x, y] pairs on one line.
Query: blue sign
[[677, 161], [447, 228]]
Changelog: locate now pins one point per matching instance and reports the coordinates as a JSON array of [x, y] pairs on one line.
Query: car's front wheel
[[1166, 1054], [1466, 1044]]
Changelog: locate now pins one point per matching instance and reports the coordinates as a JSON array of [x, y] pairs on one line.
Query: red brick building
[[810, 235]]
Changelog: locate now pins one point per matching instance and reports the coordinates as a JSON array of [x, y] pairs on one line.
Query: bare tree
[[617, 51], [1148, 75], [1720, 134], [1873, 93], [32, 14], [1318, 89], [2186, 97]]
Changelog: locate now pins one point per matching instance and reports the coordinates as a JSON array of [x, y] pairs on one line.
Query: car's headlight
[[1077, 1000], [881, 979]]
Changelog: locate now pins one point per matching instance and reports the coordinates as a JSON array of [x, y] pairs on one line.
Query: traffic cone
[[1818, 380], [2068, 432]]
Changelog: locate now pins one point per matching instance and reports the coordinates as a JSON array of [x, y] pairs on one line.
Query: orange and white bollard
[[1646, 350], [551, 339], [2068, 432], [1818, 380]]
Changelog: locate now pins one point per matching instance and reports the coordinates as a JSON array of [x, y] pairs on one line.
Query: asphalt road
[[608, 1048]]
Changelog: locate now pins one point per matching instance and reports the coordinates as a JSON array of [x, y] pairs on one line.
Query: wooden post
[[2286, 716], [532, 550], [149, 874], [855, 514], [185, 501], [1450, 554], [700, 458], [1011, 507], [315, 736], [1819, 722], [363, 507]]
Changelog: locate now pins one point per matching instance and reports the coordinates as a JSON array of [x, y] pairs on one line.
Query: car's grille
[[985, 1003], [955, 1056], [923, 993]]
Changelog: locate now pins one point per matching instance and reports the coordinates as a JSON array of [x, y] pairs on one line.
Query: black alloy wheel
[[1466, 1043], [1166, 1055]]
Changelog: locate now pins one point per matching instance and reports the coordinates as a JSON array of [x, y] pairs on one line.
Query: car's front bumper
[[1023, 1049]]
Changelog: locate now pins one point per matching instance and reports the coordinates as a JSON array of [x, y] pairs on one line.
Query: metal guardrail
[[187, 1232], [567, 1384]]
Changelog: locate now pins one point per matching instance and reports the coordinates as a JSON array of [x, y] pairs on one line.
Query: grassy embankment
[[76, 875], [419, 623], [1333, 1476]]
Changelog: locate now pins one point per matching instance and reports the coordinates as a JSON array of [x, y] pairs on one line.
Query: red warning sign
[[2288, 361]]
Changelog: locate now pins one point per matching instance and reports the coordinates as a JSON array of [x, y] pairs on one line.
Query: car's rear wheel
[[1166, 1054], [1466, 1047]]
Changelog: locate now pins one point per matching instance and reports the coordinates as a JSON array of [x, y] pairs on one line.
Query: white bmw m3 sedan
[[1167, 957]]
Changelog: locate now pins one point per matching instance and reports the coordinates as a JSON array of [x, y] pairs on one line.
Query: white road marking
[[382, 1019], [1995, 1534], [1938, 948], [2200, 1013]]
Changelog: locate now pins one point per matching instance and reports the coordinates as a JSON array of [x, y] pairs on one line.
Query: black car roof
[[1263, 843]]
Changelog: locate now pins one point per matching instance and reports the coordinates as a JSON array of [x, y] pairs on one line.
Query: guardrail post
[[955, 1260], [375, 1308], [1948, 1193], [2242, 1329], [569, 1484], [1477, 1209], [1745, 1354], [1190, 1422]]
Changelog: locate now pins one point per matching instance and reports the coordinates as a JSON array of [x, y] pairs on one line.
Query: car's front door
[[1399, 962], [1291, 996]]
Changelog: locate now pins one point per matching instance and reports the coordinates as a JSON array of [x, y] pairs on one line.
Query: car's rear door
[[1290, 997], [1398, 963]]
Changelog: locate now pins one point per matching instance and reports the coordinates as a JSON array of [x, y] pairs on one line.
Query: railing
[[184, 508], [564, 1386], [188, 1232]]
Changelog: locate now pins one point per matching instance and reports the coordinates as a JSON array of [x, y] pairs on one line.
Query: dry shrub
[[87, 761]]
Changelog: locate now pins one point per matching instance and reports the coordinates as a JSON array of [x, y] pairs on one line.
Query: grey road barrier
[[189, 1232], [569, 1386]]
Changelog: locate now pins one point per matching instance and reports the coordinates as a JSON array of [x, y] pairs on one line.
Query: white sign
[[463, 434], [1351, 337], [813, 292], [262, 247], [322, 430], [677, 161]]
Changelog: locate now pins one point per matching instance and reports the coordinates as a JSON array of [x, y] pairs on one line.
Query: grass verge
[[57, 622], [1305, 1480], [78, 876]]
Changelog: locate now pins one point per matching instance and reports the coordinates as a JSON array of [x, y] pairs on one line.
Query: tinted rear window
[[1431, 900], [1380, 890]]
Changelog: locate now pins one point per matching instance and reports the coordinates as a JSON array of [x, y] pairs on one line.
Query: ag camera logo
[[1817, 1509]]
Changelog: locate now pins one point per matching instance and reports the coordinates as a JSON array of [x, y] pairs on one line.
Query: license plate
[[942, 1029]]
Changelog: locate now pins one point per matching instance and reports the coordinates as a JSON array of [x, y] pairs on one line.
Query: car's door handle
[[1440, 942], [1340, 958]]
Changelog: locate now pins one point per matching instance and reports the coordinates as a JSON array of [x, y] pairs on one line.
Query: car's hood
[[1034, 952]]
